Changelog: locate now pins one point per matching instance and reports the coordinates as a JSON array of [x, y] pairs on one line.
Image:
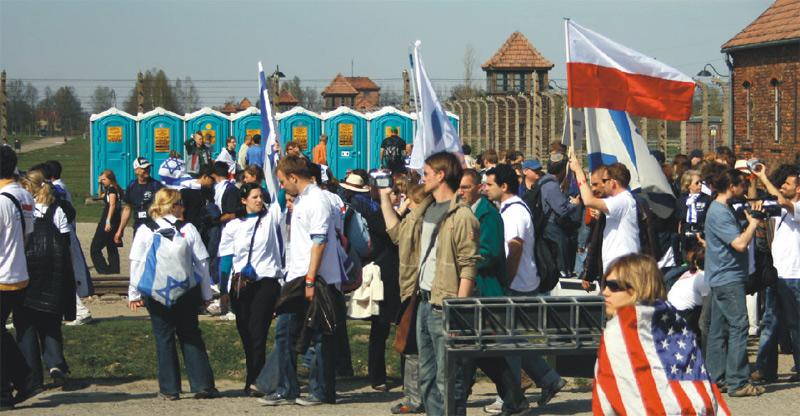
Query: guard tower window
[[748, 103], [777, 93]]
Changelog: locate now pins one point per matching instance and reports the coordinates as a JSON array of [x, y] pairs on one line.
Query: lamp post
[[727, 97], [274, 79]]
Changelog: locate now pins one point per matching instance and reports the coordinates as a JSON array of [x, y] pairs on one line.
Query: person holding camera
[[785, 249], [726, 273]]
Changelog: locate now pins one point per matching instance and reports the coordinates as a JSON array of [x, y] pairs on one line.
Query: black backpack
[[645, 219], [545, 251], [393, 152]]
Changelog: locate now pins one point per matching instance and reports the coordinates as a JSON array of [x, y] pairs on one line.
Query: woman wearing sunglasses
[[649, 361]]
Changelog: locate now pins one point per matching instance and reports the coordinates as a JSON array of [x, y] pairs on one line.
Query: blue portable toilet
[[302, 126], [246, 123], [455, 120], [113, 145], [209, 121], [347, 140], [160, 131], [381, 123]]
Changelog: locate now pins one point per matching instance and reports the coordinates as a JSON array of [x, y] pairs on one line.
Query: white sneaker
[[80, 321], [230, 316], [214, 309], [495, 408], [9, 326]]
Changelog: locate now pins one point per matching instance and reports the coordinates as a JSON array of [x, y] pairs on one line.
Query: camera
[[767, 210], [693, 230], [381, 179]]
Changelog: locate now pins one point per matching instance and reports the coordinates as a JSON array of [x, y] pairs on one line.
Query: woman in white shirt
[[50, 294], [250, 248], [181, 318]]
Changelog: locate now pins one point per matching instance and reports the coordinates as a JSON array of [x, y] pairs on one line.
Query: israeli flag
[[168, 272], [268, 136], [611, 136], [434, 132]]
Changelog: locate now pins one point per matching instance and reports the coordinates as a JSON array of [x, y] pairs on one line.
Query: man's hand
[[310, 294], [750, 219], [385, 191], [135, 304], [587, 285], [575, 163], [118, 237]]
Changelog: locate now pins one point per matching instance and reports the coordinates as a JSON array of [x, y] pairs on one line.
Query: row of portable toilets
[[354, 138]]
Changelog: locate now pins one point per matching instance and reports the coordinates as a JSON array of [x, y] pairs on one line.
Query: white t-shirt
[[59, 217], [312, 216], [786, 244], [141, 244], [219, 190], [266, 255], [621, 235], [225, 156], [337, 209], [60, 183], [688, 291], [13, 266], [517, 224]]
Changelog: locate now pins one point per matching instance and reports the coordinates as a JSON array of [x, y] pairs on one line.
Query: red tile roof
[[245, 104], [286, 98], [517, 53], [339, 86], [781, 21], [362, 83], [229, 108]]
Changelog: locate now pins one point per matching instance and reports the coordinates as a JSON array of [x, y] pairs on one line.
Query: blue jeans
[[789, 295], [279, 372], [729, 326], [430, 343], [180, 320], [534, 365], [40, 339], [767, 358]]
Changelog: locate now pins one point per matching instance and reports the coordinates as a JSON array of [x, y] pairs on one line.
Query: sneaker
[[406, 409], [748, 390], [58, 376], [495, 408], [549, 393], [794, 378], [214, 309], [758, 377], [381, 388], [230, 316], [211, 393], [275, 399], [168, 397], [308, 401], [10, 326], [80, 321]]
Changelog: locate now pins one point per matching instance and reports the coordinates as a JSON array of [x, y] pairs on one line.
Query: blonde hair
[[686, 179], [641, 275], [163, 202], [36, 184]]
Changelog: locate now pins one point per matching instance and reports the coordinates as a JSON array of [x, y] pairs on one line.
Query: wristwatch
[[309, 284]]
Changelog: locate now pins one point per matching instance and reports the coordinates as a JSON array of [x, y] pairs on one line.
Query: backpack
[[545, 252], [355, 245], [393, 152], [647, 229], [49, 266], [168, 272]]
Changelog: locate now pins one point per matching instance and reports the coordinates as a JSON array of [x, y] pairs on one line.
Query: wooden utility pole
[[3, 108], [406, 92], [140, 93]]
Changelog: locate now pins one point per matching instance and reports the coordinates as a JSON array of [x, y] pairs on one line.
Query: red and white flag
[[649, 363], [604, 74]]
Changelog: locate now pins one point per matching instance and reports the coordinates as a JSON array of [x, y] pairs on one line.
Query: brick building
[[358, 93], [694, 133], [286, 101], [515, 66], [765, 70]]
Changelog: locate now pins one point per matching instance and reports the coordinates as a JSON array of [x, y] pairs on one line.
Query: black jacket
[[320, 314], [52, 283]]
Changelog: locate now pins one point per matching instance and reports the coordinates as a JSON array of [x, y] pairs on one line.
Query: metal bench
[[518, 326]]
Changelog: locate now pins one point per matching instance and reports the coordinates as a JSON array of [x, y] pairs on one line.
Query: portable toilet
[[381, 123], [211, 122], [347, 140], [300, 125], [455, 120], [113, 145], [246, 123], [160, 131]]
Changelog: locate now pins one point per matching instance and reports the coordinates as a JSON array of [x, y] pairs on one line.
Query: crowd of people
[[388, 246]]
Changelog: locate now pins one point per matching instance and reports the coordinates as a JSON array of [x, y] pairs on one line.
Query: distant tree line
[[26, 109]]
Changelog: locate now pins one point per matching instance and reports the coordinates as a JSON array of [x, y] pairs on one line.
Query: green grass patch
[[74, 157], [125, 348]]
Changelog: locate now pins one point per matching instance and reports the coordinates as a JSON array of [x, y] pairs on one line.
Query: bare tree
[[102, 99], [470, 59]]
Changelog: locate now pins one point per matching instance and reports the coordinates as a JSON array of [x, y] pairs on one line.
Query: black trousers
[[376, 358], [14, 370], [498, 370], [254, 307], [104, 240]]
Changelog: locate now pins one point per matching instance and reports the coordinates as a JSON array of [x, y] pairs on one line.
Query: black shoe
[[58, 376], [27, 394], [405, 409], [211, 393], [251, 392], [550, 392], [6, 405], [794, 378]]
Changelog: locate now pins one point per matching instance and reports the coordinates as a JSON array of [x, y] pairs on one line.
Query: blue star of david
[[436, 126], [177, 166], [172, 283]]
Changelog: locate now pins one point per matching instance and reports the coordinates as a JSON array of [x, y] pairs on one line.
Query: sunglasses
[[179, 202], [613, 286]]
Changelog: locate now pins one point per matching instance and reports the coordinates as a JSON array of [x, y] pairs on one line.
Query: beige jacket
[[456, 251]]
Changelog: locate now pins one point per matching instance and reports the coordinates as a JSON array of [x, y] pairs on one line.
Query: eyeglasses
[[179, 203], [606, 180], [613, 286]]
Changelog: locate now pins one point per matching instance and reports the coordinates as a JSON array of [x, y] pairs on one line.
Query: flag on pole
[[611, 136], [434, 132], [268, 136], [657, 369], [604, 74]]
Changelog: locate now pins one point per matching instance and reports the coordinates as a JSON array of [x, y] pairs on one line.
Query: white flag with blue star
[[168, 272], [434, 133]]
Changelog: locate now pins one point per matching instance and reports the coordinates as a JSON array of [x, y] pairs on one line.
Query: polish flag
[[604, 74]]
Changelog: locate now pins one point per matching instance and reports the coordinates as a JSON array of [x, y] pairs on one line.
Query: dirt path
[[42, 143]]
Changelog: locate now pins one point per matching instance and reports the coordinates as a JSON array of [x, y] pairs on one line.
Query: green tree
[[21, 106], [69, 109], [158, 92]]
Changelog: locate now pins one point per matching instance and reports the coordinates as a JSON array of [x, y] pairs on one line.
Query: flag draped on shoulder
[[604, 74], [611, 136], [434, 132], [268, 135], [657, 368]]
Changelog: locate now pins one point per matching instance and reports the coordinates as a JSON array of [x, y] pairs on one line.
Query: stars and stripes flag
[[268, 135], [657, 367]]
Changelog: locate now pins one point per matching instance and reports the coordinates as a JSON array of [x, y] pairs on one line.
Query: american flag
[[649, 363]]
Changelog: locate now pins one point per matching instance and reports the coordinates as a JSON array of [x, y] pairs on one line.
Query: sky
[[85, 43]]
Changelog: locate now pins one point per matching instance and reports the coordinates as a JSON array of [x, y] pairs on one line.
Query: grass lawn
[[74, 157], [124, 348]]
